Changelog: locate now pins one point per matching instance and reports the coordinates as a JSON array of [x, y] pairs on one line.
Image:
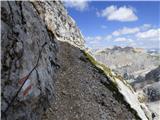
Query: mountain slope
[[129, 62], [84, 92], [54, 75]]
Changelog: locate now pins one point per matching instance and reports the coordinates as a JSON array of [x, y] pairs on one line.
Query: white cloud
[[96, 38], [147, 34], [145, 27], [125, 31], [133, 44], [152, 34], [120, 40], [103, 26], [80, 5], [123, 14], [98, 13], [123, 39], [108, 37]]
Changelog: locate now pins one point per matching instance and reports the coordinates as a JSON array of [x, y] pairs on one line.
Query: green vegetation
[[107, 71], [102, 52], [142, 98], [112, 83]]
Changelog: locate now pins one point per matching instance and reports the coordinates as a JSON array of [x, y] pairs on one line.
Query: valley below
[[140, 68], [48, 73]]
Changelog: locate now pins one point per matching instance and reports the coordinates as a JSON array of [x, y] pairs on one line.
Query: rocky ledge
[[46, 73]]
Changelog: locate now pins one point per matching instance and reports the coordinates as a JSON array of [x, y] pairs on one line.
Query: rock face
[[153, 75], [59, 23], [139, 67], [58, 80], [23, 34], [152, 91], [84, 93], [131, 63], [150, 78]]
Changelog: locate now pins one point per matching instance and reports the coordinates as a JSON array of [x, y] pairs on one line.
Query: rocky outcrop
[[139, 68], [132, 63], [150, 78], [23, 34], [153, 75], [152, 91], [46, 73], [83, 92], [59, 22]]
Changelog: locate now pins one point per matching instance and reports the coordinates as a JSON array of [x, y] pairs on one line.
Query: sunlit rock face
[[24, 31], [127, 61], [42, 45], [139, 67], [59, 22], [23, 34]]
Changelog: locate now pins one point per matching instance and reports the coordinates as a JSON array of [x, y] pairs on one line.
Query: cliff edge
[[46, 72]]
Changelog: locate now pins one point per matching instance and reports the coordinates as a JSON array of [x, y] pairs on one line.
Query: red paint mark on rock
[[21, 81], [27, 86], [27, 90]]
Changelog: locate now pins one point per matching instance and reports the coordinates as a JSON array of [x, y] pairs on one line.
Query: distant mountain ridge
[[61, 81], [128, 61], [114, 48], [138, 66]]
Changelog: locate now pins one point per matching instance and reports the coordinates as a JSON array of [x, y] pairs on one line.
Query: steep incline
[[85, 93], [62, 78], [23, 34], [122, 60]]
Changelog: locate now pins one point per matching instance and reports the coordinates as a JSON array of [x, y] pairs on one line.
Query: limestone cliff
[[46, 73]]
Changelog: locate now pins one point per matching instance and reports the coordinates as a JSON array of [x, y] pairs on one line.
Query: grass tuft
[[103, 69]]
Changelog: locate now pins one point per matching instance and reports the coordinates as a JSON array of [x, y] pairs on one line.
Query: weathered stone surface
[[152, 91], [122, 60], [23, 33], [83, 93], [59, 22], [65, 85]]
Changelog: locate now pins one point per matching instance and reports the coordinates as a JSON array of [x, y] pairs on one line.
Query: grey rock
[[23, 33], [152, 91], [129, 62], [63, 86], [83, 92]]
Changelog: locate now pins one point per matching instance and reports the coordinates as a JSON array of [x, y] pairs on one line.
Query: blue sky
[[105, 23]]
